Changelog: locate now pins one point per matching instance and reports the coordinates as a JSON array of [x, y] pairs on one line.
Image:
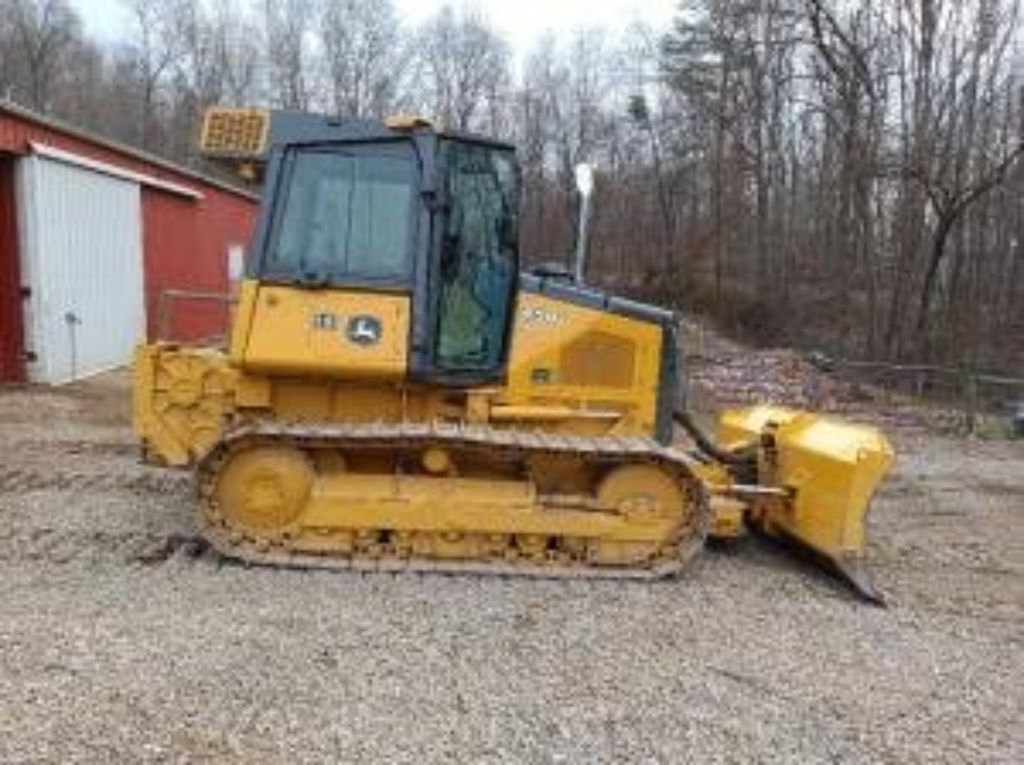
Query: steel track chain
[[503, 444]]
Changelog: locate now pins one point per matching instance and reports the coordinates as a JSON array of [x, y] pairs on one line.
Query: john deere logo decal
[[364, 330]]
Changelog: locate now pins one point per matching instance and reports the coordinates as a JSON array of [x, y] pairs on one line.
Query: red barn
[[91, 234]]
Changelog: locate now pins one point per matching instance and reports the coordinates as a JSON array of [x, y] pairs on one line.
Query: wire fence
[[953, 400], [976, 394]]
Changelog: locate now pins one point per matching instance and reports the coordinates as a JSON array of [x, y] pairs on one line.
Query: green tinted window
[[478, 257], [343, 215]]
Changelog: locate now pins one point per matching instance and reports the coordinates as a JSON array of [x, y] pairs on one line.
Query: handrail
[[170, 296]]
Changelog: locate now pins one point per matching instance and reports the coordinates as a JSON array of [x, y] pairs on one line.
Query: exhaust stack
[[585, 187]]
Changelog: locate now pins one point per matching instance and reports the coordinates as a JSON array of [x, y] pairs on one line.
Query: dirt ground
[[110, 651]]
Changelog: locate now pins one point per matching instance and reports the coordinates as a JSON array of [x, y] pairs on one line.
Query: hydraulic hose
[[704, 444]]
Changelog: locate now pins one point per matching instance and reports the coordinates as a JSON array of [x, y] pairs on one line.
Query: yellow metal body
[[409, 122], [828, 470], [573, 371], [274, 491], [284, 331], [728, 518], [581, 369], [310, 436]]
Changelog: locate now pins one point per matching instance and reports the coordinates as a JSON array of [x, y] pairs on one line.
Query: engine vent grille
[[599, 358]]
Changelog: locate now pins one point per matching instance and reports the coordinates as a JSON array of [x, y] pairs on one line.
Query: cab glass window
[[478, 257], [344, 215]]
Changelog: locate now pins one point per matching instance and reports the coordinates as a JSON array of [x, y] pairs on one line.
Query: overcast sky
[[522, 21]]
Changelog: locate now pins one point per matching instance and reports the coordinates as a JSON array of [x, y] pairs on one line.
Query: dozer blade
[[829, 470]]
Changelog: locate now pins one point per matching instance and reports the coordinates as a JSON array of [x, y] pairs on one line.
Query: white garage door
[[82, 261]]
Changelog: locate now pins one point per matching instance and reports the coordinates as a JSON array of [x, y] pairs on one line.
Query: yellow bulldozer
[[396, 394]]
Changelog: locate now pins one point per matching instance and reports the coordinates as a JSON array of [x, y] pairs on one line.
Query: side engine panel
[[594, 353]]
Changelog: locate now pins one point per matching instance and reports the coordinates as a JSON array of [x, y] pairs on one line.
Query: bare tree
[[360, 44], [157, 44], [236, 50], [464, 67], [843, 174], [287, 26], [37, 36]]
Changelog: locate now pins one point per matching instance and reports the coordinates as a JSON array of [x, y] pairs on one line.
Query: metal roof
[[52, 123]]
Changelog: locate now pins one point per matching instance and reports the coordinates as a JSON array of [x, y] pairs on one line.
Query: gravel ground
[[112, 652]]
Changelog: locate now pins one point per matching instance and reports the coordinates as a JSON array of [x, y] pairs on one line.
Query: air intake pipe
[[585, 187]]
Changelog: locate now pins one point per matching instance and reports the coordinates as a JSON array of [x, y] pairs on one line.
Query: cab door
[[477, 263]]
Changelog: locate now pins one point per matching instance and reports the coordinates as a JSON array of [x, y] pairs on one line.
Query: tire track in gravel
[[51, 544], [60, 546], [38, 447], [24, 480]]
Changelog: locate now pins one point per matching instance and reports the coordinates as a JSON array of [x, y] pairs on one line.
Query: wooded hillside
[[838, 174]]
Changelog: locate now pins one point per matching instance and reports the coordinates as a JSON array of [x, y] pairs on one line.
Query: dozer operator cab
[[383, 251]]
